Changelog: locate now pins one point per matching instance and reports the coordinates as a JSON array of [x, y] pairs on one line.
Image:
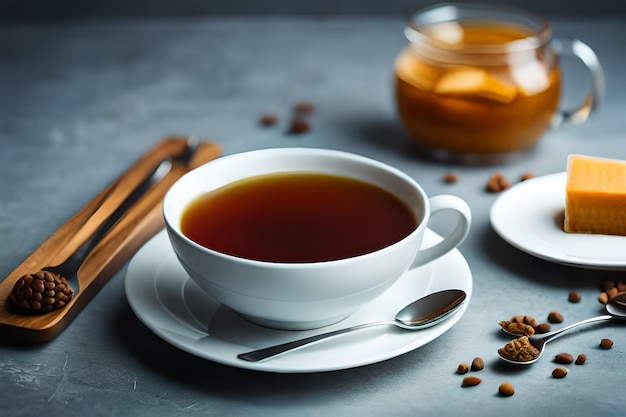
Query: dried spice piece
[[506, 389], [606, 343], [526, 176], [555, 317], [463, 368], [517, 328], [451, 178], [299, 126], [610, 289], [519, 350], [40, 293], [497, 183], [564, 358], [268, 119], [543, 328], [524, 318], [471, 381], [559, 372], [573, 297], [478, 364], [612, 292], [581, 359]]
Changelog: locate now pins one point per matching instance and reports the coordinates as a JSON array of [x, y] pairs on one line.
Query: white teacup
[[299, 296]]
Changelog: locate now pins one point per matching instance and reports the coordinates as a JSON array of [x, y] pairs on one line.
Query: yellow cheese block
[[595, 199]]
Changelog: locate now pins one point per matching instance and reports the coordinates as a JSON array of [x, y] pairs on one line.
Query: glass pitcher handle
[[576, 48]]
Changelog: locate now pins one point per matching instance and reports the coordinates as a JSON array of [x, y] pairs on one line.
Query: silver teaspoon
[[616, 309], [420, 314]]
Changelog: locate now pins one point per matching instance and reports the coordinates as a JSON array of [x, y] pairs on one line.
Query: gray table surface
[[81, 101]]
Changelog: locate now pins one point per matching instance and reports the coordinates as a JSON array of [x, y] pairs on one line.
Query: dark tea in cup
[[297, 217]]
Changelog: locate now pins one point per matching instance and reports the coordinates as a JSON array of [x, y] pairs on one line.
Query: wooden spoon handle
[[141, 222]]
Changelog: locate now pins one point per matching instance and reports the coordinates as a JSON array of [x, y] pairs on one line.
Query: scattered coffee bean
[[610, 289], [555, 317], [506, 389], [543, 328], [299, 123], [478, 364], [470, 381], [299, 126], [573, 297], [497, 183], [268, 119], [581, 359], [463, 368], [563, 358], [559, 372], [606, 343], [451, 178]]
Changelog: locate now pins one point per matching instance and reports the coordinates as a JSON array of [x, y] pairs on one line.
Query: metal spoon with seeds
[[615, 308]]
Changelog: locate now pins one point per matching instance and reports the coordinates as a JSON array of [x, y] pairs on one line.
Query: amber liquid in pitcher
[[297, 217], [492, 103]]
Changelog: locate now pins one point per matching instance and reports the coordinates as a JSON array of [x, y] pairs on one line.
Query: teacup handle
[[576, 48], [455, 237]]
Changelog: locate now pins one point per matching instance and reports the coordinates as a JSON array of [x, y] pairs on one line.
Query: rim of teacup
[[172, 220]]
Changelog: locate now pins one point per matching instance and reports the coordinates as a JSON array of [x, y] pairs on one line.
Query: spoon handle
[[272, 351], [137, 226], [69, 268], [553, 335]]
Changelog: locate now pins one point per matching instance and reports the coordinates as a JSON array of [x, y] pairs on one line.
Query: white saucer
[[529, 216], [168, 302]]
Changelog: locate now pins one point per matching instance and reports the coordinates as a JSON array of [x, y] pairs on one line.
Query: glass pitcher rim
[[458, 12]]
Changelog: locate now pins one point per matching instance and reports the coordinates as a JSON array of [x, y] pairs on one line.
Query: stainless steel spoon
[[420, 314], [616, 309]]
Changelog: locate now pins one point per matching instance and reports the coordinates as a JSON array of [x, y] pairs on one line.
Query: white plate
[[529, 216], [168, 302]]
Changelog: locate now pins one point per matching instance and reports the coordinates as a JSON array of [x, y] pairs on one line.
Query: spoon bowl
[[532, 347], [420, 314]]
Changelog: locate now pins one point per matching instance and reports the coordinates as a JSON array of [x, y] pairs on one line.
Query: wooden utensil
[[141, 222]]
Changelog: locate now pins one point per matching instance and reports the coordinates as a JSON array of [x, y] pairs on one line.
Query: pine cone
[[40, 293]]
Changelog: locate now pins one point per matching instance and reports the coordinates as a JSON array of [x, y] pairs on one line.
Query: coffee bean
[[559, 372], [470, 381], [506, 389], [564, 358], [478, 364], [606, 343]]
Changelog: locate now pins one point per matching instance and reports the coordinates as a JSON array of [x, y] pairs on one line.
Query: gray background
[[57, 9]]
